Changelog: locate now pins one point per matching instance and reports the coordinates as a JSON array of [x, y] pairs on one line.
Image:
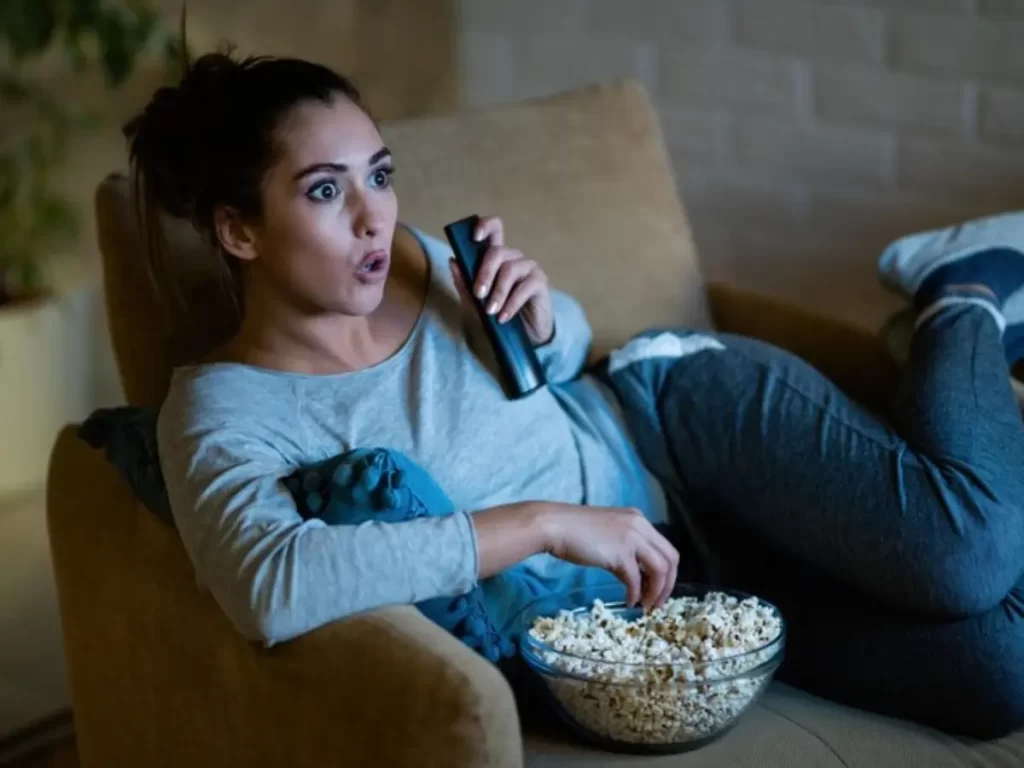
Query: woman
[[895, 551]]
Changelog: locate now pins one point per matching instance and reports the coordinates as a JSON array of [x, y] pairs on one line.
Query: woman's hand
[[617, 539], [620, 540], [510, 283]]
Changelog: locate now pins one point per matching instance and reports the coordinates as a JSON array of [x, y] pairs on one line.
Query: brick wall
[[805, 134]]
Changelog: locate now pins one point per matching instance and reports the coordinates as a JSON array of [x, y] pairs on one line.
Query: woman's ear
[[236, 236]]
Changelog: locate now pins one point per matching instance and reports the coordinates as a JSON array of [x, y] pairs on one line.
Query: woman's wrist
[[510, 533]]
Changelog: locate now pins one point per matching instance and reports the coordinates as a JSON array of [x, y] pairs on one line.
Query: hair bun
[[174, 141], [213, 77]]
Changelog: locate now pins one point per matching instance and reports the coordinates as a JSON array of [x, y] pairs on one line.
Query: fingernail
[[481, 291], [503, 317], [492, 308]]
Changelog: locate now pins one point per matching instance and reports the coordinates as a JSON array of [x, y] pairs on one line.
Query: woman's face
[[323, 243]]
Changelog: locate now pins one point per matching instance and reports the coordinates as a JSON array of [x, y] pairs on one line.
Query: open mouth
[[374, 263]]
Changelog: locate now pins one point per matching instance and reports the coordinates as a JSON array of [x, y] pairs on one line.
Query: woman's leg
[[895, 550], [925, 514], [964, 676]]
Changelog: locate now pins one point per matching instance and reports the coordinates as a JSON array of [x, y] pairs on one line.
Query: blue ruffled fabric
[[385, 485]]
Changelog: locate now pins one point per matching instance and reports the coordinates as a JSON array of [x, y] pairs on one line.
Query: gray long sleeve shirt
[[229, 432]]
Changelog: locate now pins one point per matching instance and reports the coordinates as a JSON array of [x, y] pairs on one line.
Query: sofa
[[158, 676]]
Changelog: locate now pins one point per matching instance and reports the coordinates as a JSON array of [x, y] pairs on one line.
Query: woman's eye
[[381, 178], [324, 191]]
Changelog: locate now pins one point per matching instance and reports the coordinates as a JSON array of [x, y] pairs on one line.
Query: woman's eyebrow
[[376, 157]]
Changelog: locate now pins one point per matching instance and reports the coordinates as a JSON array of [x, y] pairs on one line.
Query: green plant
[[36, 220]]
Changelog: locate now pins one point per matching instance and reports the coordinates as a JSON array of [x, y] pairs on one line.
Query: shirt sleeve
[[565, 354], [277, 576]]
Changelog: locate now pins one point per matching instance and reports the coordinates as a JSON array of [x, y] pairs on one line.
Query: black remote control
[[520, 369]]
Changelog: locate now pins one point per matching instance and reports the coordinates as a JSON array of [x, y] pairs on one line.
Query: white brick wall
[[805, 134], [844, 32]]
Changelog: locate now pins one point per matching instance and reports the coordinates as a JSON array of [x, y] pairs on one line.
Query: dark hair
[[208, 141]]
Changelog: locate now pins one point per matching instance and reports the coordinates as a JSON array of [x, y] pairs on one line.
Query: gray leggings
[[894, 547]]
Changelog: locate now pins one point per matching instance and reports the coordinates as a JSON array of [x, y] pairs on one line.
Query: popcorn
[[672, 675]]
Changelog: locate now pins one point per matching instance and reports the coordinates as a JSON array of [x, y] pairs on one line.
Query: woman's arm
[[276, 575], [618, 539]]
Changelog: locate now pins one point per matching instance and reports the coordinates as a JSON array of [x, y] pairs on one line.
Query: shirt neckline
[[388, 362]]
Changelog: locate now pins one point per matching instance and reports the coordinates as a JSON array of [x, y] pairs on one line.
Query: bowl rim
[[530, 645], [766, 667]]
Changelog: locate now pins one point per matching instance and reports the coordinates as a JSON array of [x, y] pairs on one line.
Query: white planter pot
[[46, 380]]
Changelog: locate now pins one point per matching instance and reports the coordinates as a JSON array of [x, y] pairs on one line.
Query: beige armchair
[[157, 675]]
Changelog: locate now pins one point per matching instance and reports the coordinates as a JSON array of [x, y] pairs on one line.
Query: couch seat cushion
[[792, 729]]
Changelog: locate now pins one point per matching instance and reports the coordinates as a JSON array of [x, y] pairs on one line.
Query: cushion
[[789, 728], [367, 484], [127, 435]]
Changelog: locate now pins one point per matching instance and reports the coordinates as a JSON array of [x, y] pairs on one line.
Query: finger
[[629, 574], [526, 289], [670, 581], [653, 534], [671, 555], [490, 265], [508, 275], [655, 568], [492, 227]]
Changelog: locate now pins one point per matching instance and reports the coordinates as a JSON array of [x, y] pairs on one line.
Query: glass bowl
[[645, 707]]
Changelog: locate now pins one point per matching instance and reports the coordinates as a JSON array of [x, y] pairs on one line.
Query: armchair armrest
[[159, 677], [854, 358]]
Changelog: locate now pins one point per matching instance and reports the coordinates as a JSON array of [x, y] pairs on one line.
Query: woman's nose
[[367, 219]]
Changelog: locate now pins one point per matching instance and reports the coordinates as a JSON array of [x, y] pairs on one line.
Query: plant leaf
[[35, 217], [56, 220], [114, 48], [77, 58], [28, 25], [84, 14]]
